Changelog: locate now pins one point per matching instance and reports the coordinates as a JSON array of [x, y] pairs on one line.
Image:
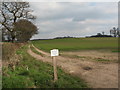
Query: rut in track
[[97, 75]]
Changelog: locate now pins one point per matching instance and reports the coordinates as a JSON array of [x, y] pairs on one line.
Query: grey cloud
[[76, 12], [74, 18]]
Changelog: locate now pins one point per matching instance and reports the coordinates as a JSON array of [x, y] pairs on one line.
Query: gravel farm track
[[83, 64]]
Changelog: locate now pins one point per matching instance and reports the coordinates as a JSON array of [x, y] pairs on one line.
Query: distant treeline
[[100, 35], [39, 39], [64, 37], [74, 37]]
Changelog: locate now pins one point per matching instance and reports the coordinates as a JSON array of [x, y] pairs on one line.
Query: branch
[[6, 6], [3, 17]]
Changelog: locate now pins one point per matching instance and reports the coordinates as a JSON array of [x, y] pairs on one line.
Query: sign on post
[[55, 52]]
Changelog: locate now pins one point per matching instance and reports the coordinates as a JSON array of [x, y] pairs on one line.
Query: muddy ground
[[99, 69]]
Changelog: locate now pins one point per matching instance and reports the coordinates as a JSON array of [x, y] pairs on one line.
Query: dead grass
[[9, 53]]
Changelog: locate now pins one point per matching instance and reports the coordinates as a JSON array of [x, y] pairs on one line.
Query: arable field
[[71, 44], [95, 60]]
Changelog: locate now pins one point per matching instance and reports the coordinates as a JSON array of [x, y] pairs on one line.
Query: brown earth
[[84, 64]]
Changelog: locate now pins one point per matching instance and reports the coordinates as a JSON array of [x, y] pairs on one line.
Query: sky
[[75, 19]]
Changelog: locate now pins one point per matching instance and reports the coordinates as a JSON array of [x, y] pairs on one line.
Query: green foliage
[[71, 44], [116, 51], [24, 30], [39, 74]]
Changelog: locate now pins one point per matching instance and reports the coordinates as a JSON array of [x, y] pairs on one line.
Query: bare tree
[[11, 12], [118, 32], [115, 32]]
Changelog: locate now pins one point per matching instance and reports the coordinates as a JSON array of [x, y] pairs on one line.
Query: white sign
[[54, 52]]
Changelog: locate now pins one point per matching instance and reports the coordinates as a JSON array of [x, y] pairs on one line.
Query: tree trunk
[[12, 37]]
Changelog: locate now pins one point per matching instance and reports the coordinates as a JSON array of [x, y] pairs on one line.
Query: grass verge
[[31, 73]]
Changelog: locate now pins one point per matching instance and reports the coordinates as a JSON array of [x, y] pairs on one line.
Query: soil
[[96, 74]]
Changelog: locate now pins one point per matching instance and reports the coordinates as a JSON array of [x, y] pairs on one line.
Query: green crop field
[[71, 44]]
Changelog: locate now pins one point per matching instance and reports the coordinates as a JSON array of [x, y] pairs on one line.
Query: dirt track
[[96, 74]]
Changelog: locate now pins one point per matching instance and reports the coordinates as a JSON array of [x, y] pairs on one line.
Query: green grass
[[33, 49], [39, 74], [116, 51], [71, 44]]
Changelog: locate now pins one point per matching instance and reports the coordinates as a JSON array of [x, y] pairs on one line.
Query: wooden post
[[54, 53], [55, 69]]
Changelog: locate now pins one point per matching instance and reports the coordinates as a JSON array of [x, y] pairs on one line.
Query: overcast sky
[[76, 19]]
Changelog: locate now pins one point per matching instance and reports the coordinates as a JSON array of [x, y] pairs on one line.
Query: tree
[[11, 12], [115, 32], [99, 34], [24, 30], [118, 32], [103, 33]]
